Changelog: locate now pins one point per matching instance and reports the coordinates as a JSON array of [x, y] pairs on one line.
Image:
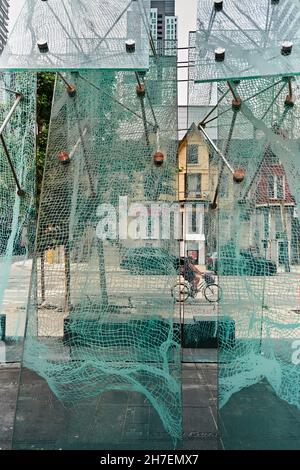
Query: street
[[145, 295]]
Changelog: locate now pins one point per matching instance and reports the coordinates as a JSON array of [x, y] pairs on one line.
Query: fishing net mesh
[[259, 236], [17, 203], [101, 316]]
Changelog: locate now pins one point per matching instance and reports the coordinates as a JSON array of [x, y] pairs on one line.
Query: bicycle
[[212, 292]]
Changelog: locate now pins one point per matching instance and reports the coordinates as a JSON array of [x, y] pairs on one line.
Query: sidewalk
[[113, 420]]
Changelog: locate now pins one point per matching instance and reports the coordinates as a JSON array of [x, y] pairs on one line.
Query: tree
[[45, 88]]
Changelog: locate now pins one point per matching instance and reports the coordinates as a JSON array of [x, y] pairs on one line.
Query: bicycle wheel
[[212, 293], [180, 292]]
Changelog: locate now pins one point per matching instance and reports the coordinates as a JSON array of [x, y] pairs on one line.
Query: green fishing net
[[259, 237], [17, 198], [101, 316]]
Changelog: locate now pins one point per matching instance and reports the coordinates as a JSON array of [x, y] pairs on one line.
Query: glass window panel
[[252, 34], [192, 154], [193, 184], [85, 34]]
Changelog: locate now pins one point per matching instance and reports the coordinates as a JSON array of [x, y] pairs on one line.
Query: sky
[[186, 12], [14, 10]]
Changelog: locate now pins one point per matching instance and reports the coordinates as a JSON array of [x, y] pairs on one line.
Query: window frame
[[187, 154], [188, 192], [275, 188]]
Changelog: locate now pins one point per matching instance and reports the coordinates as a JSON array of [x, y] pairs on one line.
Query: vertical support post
[[214, 203]]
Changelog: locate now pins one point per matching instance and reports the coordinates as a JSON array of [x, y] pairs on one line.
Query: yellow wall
[[208, 174]]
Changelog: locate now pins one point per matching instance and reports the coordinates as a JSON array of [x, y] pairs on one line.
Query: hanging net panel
[[258, 261], [17, 203], [101, 317], [78, 34]]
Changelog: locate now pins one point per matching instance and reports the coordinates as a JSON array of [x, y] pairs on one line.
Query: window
[[280, 187], [276, 187], [193, 184], [271, 184], [192, 154]]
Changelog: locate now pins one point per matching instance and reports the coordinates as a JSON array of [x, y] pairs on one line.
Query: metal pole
[[21, 192], [214, 108], [71, 89], [225, 161], [141, 96], [112, 26], [261, 91], [145, 121], [6, 120], [137, 79], [64, 79], [232, 91], [240, 29], [214, 203], [114, 99], [290, 87], [272, 102], [77, 143], [152, 45], [85, 155]]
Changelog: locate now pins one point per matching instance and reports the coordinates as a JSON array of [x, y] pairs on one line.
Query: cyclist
[[189, 271]]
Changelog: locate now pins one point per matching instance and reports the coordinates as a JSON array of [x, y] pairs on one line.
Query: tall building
[[163, 20], [4, 6]]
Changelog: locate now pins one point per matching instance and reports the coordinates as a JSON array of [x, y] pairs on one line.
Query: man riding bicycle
[[182, 290], [189, 271]]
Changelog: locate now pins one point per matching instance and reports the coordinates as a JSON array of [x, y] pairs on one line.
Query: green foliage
[[45, 87]]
